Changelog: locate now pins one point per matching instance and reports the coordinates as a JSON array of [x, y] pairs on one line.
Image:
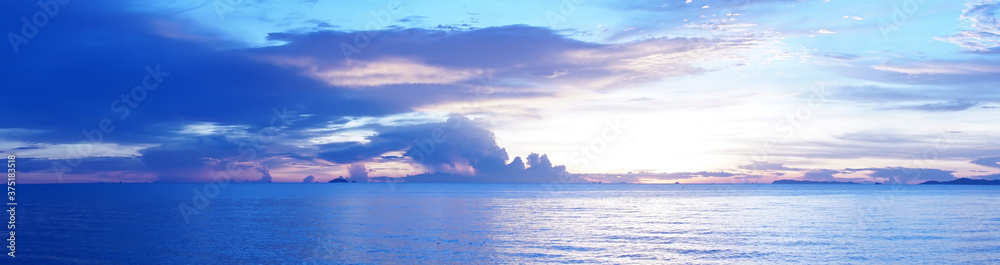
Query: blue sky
[[646, 91]]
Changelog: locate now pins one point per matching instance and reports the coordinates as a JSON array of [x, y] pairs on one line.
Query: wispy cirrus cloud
[[940, 68], [942, 106], [983, 22]]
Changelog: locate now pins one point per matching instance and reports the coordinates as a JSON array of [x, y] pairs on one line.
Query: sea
[[425, 223]]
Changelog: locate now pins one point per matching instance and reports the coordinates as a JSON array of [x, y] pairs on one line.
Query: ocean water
[[381, 223]]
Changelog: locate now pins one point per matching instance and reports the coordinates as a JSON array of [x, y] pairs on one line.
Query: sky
[[689, 91]]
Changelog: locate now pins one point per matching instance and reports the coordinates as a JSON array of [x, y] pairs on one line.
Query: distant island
[[790, 181], [339, 180], [963, 181]]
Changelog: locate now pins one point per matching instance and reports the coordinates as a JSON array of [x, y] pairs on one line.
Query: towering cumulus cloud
[[359, 173], [457, 150]]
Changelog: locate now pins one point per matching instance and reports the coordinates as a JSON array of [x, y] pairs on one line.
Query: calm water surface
[[518, 223]]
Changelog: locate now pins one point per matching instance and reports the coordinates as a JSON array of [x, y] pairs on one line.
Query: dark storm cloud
[[81, 65]]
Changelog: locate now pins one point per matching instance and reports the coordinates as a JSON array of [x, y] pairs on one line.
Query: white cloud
[[343, 136], [380, 73], [211, 128], [939, 68], [984, 28], [72, 151]]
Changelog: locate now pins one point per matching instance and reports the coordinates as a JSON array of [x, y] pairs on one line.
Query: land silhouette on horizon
[[963, 181]]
